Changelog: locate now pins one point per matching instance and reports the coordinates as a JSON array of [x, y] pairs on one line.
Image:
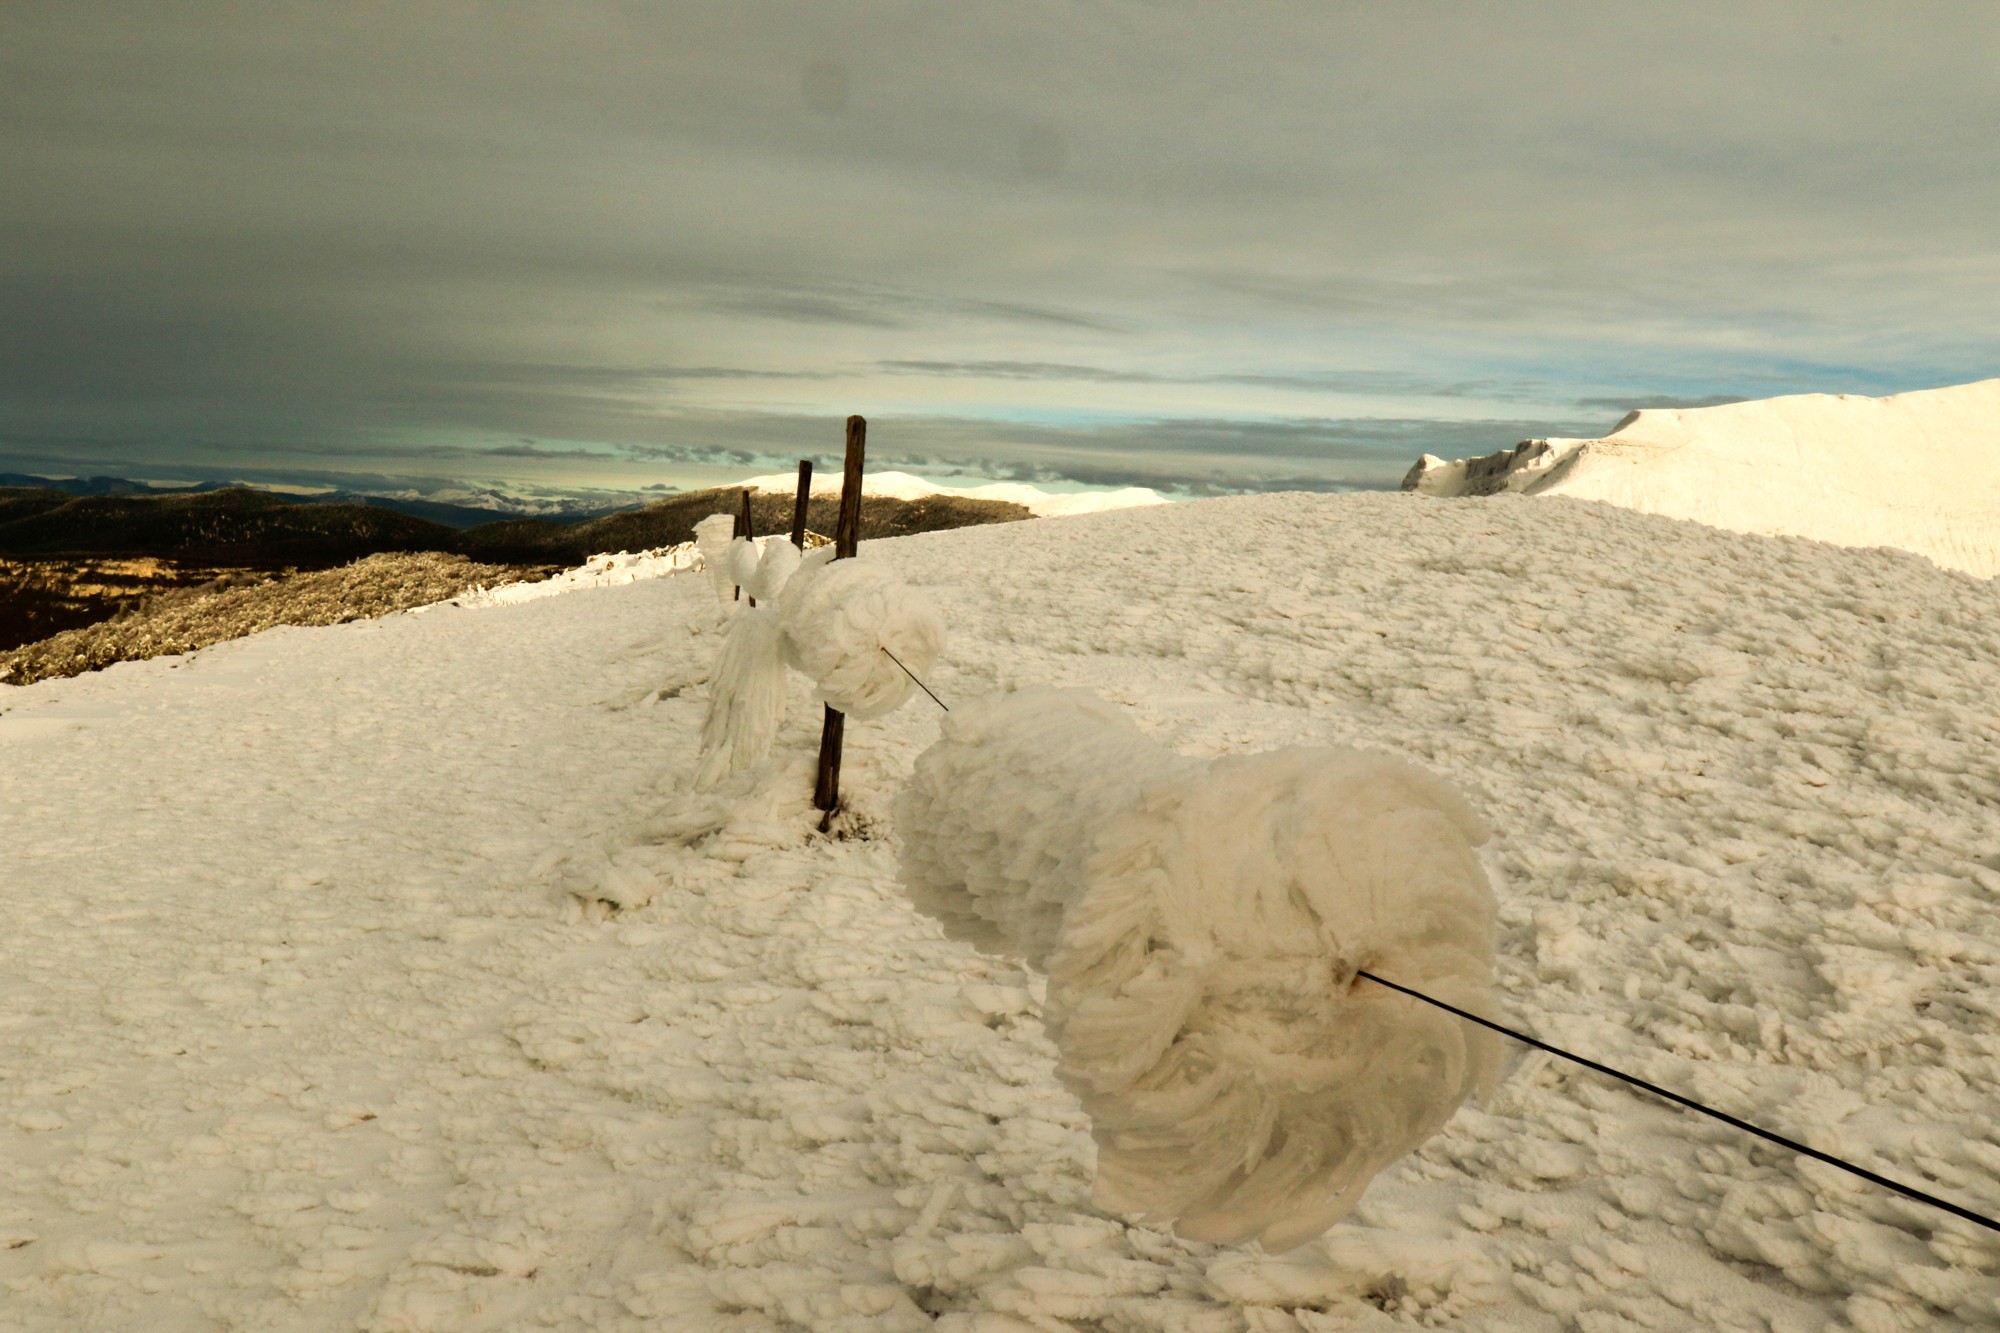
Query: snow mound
[[1918, 471], [1040, 503], [1201, 924], [838, 616]]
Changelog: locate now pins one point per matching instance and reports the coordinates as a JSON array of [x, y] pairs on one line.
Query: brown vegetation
[[182, 620], [43, 597]]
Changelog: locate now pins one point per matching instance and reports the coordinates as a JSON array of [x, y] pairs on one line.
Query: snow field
[[1918, 471], [1201, 925], [390, 976]]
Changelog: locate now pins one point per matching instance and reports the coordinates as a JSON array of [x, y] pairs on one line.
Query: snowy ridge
[[1040, 503], [1917, 471], [608, 570], [389, 976]]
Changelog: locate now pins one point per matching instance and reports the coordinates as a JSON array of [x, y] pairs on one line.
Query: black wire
[[1654, 1088], [1692, 1105], [913, 676]]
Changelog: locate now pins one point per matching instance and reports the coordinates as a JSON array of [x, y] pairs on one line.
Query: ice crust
[[1200, 924]]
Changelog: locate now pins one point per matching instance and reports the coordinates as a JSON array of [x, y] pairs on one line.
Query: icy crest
[[1201, 924]]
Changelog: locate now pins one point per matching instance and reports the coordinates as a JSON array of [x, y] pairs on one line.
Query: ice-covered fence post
[[745, 531], [846, 535], [1201, 923], [799, 505]]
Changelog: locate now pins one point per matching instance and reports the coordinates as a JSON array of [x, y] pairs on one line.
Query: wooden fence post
[[846, 536], [743, 529], [799, 505]]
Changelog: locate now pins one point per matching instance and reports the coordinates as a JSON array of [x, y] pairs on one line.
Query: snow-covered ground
[[389, 976], [609, 570], [1917, 471], [1040, 503]]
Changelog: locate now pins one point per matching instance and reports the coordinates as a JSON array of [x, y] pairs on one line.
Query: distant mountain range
[[451, 514], [235, 526]]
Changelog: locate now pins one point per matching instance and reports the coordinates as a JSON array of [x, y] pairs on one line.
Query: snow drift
[[1918, 471], [1201, 924]]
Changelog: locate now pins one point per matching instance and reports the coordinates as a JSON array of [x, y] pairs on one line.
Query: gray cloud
[[1349, 382], [403, 236], [1639, 401]]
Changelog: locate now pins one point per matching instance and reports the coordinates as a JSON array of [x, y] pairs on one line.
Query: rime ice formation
[[1201, 924], [761, 566], [839, 616], [746, 694], [829, 620], [746, 697], [1917, 471], [713, 537]]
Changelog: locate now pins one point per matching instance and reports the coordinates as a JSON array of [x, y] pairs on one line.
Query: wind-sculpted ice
[[1201, 924], [839, 616], [831, 622], [746, 697], [763, 566]]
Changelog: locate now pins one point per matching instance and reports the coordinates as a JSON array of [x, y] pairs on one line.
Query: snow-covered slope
[[388, 976], [1041, 503], [1917, 471]]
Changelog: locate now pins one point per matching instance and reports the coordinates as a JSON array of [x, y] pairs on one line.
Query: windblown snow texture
[[1201, 925], [838, 617]]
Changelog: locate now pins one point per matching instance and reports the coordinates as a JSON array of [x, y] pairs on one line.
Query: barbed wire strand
[[913, 676], [1694, 1105]]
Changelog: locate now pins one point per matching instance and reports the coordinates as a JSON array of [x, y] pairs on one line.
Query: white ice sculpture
[[1201, 923]]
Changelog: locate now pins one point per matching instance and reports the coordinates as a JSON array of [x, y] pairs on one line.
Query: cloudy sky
[[1205, 245]]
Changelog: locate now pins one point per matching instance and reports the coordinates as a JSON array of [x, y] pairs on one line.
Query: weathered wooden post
[[846, 535], [745, 530], [799, 505]]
